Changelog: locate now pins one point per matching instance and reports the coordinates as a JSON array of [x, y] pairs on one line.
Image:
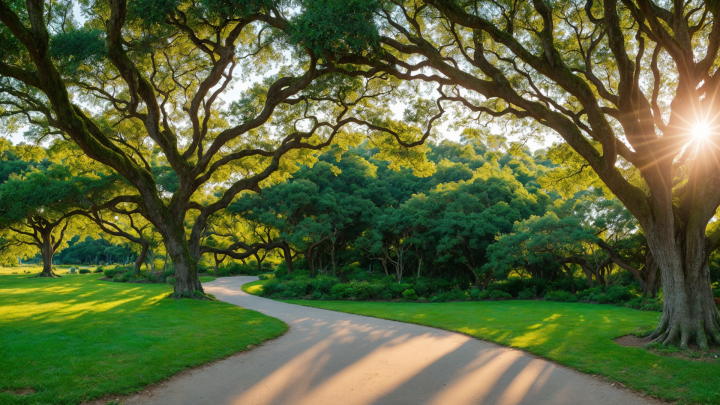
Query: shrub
[[99, 269], [645, 304], [296, 288], [560, 296], [110, 273], [475, 293], [539, 284], [265, 276], [618, 294], [170, 280], [410, 295], [421, 288], [84, 271], [322, 284], [341, 291], [272, 287], [528, 293], [484, 295], [498, 295]]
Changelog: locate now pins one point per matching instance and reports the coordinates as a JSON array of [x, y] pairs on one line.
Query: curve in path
[[336, 358]]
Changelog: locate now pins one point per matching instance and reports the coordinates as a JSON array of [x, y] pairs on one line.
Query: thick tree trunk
[[689, 312], [47, 253], [141, 258], [186, 278]]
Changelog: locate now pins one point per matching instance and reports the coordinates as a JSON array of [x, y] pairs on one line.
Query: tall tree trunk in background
[[287, 255], [141, 258], [332, 257], [47, 251], [259, 262], [570, 276], [486, 280], [217, 263]]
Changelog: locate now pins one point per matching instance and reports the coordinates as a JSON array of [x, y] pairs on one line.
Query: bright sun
[[701, 131]]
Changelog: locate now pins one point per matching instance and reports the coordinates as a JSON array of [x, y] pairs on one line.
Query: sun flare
[[701, 131]]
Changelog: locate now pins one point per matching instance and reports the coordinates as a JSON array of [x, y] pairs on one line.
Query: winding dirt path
[[335, 358]]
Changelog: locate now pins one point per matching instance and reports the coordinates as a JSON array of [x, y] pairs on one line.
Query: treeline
[[483, 216]]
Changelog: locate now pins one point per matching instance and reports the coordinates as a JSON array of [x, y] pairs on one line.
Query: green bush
[[484, 295], [99, 269], [452, 295], [273, 287], [498, 295], [560, 296], [84, 271], [645, 304], [110, 273], [527, 294], [618, 294], [341, 291], [170, 280], [410, 295], [323, 284], [296, 288]]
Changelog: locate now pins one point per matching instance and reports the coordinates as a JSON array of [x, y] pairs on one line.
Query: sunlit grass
[[574, 334], [254, 288], [75, 338]]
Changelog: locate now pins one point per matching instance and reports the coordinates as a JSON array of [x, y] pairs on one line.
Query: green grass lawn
[[574, 334], [75, 338]]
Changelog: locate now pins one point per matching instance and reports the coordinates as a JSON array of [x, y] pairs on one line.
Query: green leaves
[[233, 8], [77, 47], [151, 12], [332, 27]]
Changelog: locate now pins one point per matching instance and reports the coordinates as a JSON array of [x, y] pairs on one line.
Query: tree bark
[[287, 255], [689, 311], [141, 258], [332, 257], [186, 278], [570, 276], [47, 251], [259, 262]]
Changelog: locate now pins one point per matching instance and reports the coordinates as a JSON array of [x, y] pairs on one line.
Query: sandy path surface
[[335, 358]]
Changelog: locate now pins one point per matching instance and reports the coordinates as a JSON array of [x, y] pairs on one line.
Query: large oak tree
[[143, 86], [623, 82]]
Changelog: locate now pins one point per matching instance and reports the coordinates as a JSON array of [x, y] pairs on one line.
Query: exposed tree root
[[685, 333]]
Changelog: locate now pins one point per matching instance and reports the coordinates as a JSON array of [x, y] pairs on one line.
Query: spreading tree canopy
[[631, 88], [145, 87]]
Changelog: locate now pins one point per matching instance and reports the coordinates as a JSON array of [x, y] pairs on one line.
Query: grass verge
[[69, 339], [255, 287]]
